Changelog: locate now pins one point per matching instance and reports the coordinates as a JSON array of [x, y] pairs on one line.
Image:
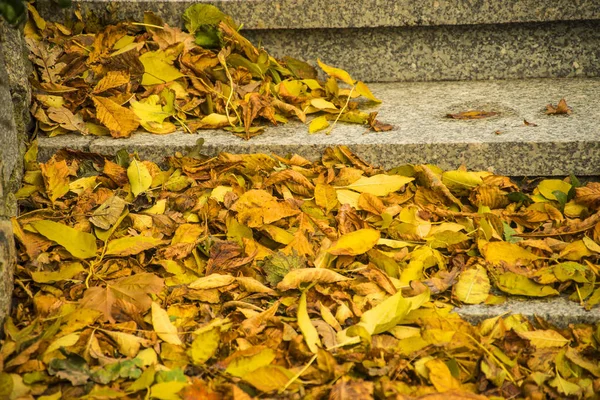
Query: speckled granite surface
[[559, 145], [558, 310], [296, 14], [538, 50]]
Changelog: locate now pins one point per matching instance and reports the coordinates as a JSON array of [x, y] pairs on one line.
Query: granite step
[[557, 146], [388, 40]]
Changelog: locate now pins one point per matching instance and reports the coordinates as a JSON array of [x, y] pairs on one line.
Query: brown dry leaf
[[560, 109], [472, 114]]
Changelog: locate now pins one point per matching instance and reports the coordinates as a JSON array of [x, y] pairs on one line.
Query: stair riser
[[309, 14], [466, 52]]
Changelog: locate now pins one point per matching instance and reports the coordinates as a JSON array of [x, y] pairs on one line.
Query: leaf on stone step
[[355, 243], [79, 244], [139, 177], [318, 124], [472, 114], [380, 185], [163, 326], [499, 253], [311, 337], [296, 277], [364, 91], [119, 120], [473, 286], [560, 109], [336, 73], [512, 283], [544, 338]]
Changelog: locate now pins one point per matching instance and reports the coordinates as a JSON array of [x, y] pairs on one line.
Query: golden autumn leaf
[[163, 326], [354, 243], [119, 120], [380, 185]]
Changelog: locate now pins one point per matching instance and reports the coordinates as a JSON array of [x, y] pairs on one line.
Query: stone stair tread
[[559, 311], [558, 145], [294, 14]]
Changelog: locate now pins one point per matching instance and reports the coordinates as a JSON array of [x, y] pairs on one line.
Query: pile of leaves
[[254, 275], [110, 80]]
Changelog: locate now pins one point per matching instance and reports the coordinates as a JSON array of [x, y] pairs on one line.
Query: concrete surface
[[558, 145]]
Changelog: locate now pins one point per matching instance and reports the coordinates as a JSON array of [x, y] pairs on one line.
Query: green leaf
[[79, 244], [200, 15], [279, 264]]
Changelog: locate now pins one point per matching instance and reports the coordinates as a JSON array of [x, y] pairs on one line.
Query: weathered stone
[[15, 118], [388, 40], [7, 265], [560, 311], [558, 145], [308, 14]]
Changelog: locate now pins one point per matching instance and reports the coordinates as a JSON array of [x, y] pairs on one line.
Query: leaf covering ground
[[258, 276], [112, 80]]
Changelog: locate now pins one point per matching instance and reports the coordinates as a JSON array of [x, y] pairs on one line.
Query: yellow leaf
[[163, 326], [318, 124], [66, 273], [512, 283], [387, 314], [459, 180], [326, 197], [364, 91], [575, 251], [120, 120], [111, 80], [158, 68], [79, 244], [322, 104], [355, 243], [219, 192], [337, 73], [212, 282], [65, 341], [544, 338], [379, 185], [440, 376], [204, 346], [591, 244], [296, 277], [130, 245], [473, 286], [508, 253], [139, 177], [311, 336], [564, 386], [129, 345], [348, 197], [56, 178], [548, 186], [167, 390], [80, 185], [187, 233], [269, 378], [149, 109], [243, 364]]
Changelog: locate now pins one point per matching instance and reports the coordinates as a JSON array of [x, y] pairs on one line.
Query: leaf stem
[[341, 111]]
